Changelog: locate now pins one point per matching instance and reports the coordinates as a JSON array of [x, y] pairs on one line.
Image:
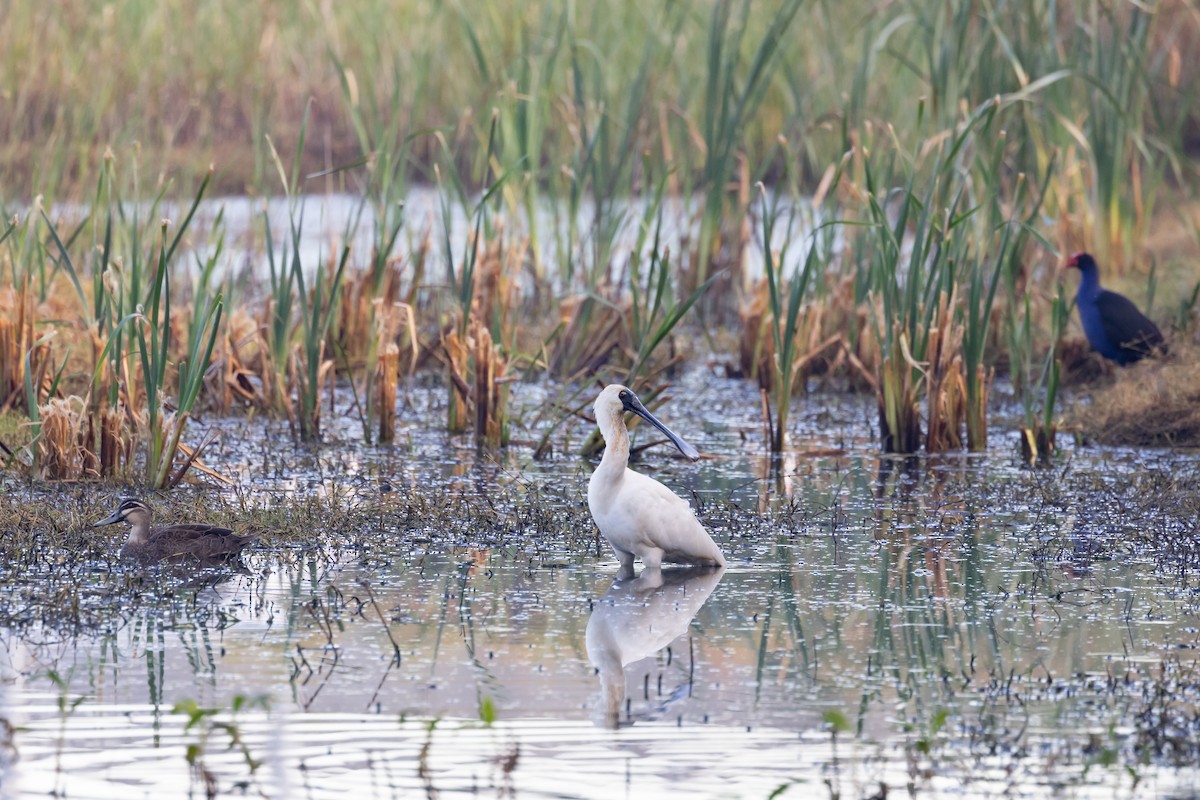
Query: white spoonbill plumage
[[637, 514]]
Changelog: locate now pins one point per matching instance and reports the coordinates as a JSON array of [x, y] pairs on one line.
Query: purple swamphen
[[1115, 328]]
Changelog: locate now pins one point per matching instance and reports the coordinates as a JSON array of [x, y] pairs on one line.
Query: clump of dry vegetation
[[1154, 402]]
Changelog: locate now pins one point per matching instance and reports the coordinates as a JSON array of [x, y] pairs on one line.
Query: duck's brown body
[[205, 543]]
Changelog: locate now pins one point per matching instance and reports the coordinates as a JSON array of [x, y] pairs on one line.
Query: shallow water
[[960, 626]]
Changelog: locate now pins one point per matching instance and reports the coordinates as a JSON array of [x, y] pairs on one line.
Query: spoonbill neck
[[616, 444]]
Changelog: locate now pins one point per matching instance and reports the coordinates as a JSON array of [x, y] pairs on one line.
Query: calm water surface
[[957, 627]]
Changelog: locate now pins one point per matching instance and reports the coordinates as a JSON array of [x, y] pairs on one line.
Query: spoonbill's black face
[[631, 403]]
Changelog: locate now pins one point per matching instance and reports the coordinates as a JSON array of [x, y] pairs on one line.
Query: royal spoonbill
[[637, 514]]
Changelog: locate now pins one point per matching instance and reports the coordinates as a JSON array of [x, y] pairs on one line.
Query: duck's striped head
[[129, 511]]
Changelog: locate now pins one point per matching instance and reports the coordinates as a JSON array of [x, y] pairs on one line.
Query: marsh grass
[[963, 140]]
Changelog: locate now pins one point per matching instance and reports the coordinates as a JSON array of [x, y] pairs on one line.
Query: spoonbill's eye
[[624, 395]]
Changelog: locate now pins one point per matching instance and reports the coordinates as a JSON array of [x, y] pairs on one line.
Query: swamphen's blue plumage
[[1115, 328]]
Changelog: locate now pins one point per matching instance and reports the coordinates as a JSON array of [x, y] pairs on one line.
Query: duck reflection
[[636, 618]]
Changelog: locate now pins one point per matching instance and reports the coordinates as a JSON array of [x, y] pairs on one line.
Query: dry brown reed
[[388, 380], [855, 357], [242, 358], [476, 368], [395, 325], [364, 297], [355, 322], [16, 337], [816, 340], [1038, 444], [946, 393], [591, 334], [832, 338], [475, 349], [977, 439], [65, 449], [116, 443], [899, 411], [495, 300], [456, 352], [490, 390], [12, 373]]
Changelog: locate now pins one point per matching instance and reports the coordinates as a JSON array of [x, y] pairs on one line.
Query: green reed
[[1036, 374], [653, 310], [386, 152], [306, 364], [731, 100], [316, 318], [601, 168], [525, 110], [119, 263], [205, 723], [281, 277], [909, 273], [301, 365], [164, 429], [786, 296]]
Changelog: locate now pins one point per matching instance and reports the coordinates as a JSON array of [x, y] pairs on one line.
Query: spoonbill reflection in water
[[635, 619], [637, 514]]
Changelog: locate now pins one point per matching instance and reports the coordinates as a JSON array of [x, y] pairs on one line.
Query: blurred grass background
[[201, 83]]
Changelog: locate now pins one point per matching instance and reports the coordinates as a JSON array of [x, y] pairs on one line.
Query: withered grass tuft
[[1155, 402]]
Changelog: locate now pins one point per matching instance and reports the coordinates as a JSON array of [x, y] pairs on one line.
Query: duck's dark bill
[[109, 520], [683, 446]]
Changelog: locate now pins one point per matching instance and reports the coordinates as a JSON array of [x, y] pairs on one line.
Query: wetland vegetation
[[348, 277]]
